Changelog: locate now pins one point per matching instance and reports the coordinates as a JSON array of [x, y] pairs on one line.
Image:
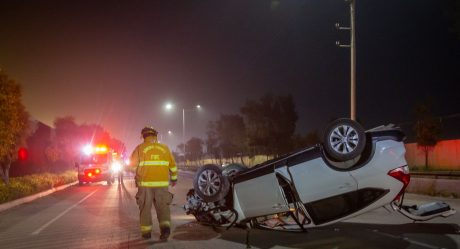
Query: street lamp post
[[183, 130], [352, 47], [170, 106], [197, 107], [165, 139]]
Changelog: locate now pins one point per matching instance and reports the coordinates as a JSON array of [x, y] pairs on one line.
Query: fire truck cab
[[95, 165]]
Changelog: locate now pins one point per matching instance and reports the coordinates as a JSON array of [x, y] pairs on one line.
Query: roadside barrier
[[437, 174]]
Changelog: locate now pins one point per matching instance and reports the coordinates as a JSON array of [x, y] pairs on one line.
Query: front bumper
[[96, 178], [426, 211]]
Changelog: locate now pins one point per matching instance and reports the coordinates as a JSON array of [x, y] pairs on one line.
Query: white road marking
[[36, 232]]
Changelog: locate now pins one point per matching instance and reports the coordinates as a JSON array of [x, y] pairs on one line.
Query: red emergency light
[[22, 154], [99, 149]]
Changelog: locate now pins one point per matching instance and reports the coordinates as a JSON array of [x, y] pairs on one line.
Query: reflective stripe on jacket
[[155, 164]]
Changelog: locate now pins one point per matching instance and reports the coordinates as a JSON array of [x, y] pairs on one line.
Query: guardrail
[[437, 174]]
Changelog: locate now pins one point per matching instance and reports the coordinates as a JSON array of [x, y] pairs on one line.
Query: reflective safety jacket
[[155, 164]]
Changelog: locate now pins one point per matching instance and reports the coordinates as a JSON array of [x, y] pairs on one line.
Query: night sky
[[116, 63]]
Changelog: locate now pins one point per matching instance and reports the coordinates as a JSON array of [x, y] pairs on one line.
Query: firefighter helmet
[[148, 131]]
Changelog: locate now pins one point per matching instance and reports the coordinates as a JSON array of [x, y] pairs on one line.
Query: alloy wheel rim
[[344, 139], [209, 182]]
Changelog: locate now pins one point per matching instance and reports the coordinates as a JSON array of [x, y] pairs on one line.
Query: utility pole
[[183, 131], [352, 47]]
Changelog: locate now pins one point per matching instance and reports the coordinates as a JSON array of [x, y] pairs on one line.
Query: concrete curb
[[33, 197], [434, 186]]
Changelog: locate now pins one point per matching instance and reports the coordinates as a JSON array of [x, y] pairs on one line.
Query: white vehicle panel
[[260, 196], [389, 155], [314, 180]]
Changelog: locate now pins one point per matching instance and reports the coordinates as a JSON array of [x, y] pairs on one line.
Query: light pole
[[197, 107], [183, 130], [352, 47], [170, 106], [169, 133]]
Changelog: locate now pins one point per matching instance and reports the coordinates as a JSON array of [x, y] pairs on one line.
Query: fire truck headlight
[[88, 149], [116, 167]]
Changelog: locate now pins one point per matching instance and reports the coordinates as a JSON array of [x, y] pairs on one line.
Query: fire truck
[[97, 163]]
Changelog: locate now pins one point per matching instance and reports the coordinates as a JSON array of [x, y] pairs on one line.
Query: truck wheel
[[210, 184], [344, 139]]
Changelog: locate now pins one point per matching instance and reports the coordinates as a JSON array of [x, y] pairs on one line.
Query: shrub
[[32, 184]]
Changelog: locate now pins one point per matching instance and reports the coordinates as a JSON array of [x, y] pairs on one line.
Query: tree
[[195, 148], [452, 10], [37, 143], [66, 139], [93, 134], [14, 122], [310, 139], [270, 123], [212, 141], [257, 120], [71, 138], [231, 133], [427, 129]]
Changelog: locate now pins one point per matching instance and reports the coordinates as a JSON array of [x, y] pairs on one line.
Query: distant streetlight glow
[[169, 106]]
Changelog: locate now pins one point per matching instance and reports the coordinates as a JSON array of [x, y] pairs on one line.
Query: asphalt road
[[101, 216]]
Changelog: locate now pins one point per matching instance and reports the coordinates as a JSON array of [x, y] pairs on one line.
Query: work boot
[[147, 235], [165, 232]]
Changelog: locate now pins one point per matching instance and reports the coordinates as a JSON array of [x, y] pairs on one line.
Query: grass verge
[[31, 184]]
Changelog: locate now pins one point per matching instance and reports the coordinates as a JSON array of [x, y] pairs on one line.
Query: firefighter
[[155, 171]]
